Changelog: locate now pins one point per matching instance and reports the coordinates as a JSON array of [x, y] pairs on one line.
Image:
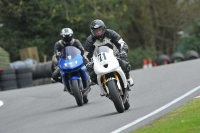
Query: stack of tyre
[[42, 73], [176, 57], [8, 79], [23, 64], [24, 77], [15, 78], [42, 70]]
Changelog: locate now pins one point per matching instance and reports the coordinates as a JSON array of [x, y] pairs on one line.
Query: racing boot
[[102, 91], [130, 81], [56, 77], [65, 88], [53, 80]]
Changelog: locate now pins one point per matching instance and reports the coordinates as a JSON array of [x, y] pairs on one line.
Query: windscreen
[[70, 52], [101, 49]]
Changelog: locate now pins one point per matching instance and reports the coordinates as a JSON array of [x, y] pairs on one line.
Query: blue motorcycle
[[74, 74]]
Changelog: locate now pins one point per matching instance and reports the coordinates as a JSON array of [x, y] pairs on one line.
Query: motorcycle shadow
[[70, 107], [65, 108], [111, 114]]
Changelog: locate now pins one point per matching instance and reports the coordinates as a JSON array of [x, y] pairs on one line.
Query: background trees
[[144, 24]]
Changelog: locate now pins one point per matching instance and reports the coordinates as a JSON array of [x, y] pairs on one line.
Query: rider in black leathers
[[102, 36], [67, 40]]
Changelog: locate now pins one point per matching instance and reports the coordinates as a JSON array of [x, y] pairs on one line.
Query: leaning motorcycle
[[74, 74], [111, 78]]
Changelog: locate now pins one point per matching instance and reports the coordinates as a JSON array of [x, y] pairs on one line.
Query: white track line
[[156, 111], [1, 103]]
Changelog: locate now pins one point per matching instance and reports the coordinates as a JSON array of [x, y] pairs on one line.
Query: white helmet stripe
[[66, 31]]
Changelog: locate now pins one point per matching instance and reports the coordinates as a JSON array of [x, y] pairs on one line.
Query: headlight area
[[71, 64]]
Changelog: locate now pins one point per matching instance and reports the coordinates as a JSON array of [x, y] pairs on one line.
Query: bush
[[137, 55], [191, 39]]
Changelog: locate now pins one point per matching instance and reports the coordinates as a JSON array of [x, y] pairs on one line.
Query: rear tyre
[[77, 93], [191, 54], [162, 58], [115, 96], [177, 57]]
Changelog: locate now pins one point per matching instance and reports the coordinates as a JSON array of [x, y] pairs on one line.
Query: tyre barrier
[[23, 64], [8, 79], [18, 65], [191, 54], [42, 73], [42, 81], [24, 77], [161, 59], [177, 57], [42, 70]]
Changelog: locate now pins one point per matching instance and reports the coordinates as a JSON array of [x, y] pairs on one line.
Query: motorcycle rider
[[67, 40], [102, 36]]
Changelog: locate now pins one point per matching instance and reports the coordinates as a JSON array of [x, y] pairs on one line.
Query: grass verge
[[185, 119]]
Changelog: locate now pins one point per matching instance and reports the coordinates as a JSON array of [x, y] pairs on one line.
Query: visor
[[98, 32]]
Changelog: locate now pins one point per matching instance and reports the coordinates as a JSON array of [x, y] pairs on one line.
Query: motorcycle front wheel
[[115, 96], [77, 92]]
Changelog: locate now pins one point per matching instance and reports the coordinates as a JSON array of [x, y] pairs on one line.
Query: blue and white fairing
[[71, 65]]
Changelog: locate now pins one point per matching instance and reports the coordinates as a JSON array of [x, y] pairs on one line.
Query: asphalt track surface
[[47, 109]]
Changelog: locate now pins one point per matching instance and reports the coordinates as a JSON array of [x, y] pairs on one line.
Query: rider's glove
[[122, 55], [58, 54], [89, 66]]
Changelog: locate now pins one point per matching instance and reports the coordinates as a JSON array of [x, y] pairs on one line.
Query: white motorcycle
[[110, 77]]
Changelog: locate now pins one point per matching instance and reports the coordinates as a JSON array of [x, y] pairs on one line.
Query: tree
[[141, 23]]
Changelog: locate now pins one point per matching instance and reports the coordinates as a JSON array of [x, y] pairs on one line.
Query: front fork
[[118, 83]]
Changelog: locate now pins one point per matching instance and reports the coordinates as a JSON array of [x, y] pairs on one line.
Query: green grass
[[185, 119]]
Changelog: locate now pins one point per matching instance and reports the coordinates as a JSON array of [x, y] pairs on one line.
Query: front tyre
[[115, 96], [77, 93]]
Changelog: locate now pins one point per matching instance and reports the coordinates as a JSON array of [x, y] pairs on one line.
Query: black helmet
[[67, 35], [98, 28]]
